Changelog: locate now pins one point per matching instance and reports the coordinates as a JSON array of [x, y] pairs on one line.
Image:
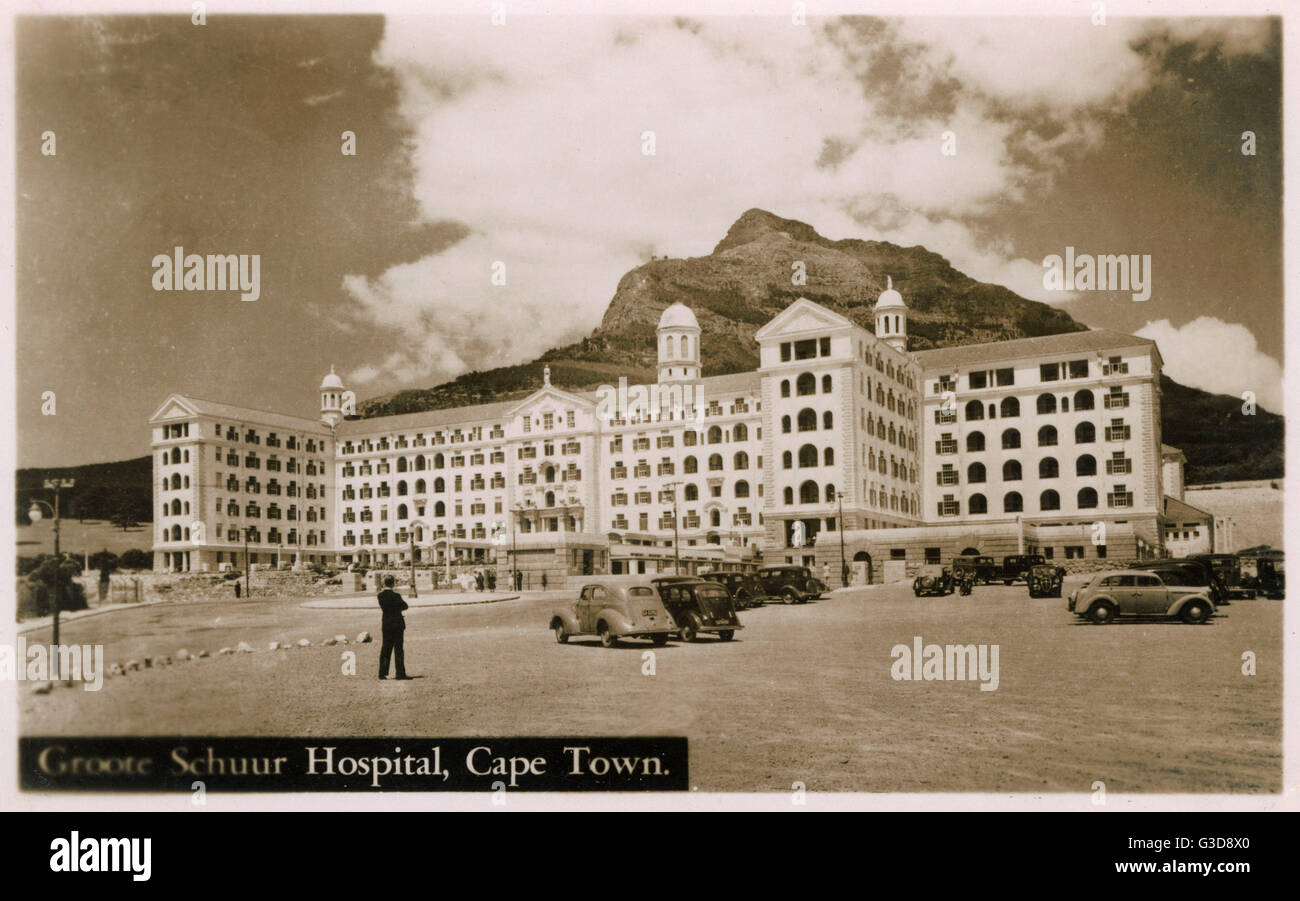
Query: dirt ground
[[803, 694]]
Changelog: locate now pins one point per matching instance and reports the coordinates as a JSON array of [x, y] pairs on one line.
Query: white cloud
[[531, 135], [1218, 356]]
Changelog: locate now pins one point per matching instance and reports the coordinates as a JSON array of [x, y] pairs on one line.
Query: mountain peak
[[754, 224]]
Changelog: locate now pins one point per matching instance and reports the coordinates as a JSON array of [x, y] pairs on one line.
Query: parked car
[[1044, 580], [1198, 570], [745, 589], [698, 605], [1016, 566], [615, 608], [933, 581], [792, 584], [1134, 592], [974, 568], [1264, 573]]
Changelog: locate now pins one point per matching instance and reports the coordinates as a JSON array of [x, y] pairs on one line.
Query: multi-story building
[[841, 446]]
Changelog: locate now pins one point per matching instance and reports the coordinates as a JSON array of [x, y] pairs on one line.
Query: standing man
[[394, 629]]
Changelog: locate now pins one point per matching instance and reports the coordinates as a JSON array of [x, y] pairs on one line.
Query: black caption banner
[[353, 764]]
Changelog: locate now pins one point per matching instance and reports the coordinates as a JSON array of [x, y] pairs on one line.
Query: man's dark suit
[[394, 631]]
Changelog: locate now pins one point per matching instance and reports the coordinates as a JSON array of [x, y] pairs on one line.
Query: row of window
[[250, 436], [1048, 468], [1084, 433], [1047, 372], [1048, 501], [440, 438], [690, 492]]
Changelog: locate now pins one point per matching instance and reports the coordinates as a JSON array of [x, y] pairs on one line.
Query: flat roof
[[1017, 348]]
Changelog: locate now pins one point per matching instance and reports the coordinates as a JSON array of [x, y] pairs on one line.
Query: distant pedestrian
[[478, 580], [394, 629], [543, 581], [492, 580], [236, 589]]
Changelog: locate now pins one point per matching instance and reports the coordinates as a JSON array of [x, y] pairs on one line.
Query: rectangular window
[[898, 553], [1049, 372], [978, 379], [825, 347], [1006, 377], [805, 350], [785, 351], [1078, 369], [932, 556]]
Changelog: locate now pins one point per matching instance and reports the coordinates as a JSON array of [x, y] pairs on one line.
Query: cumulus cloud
[[532, 136], [1218, 356]]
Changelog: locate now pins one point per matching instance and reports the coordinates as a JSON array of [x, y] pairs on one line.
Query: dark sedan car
[[792, 584], [697, 606], [745, 589]]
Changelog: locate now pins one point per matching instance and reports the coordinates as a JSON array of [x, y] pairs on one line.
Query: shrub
[[135, 559]]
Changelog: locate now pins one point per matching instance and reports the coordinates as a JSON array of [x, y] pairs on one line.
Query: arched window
[[1048, 468], [740, 461], [715, 462], [438, 461], [974, 410], [826, 384], [975, 441], [690, 464], [830, 494], [807, 420], [1046, 403], [806, 383], [176, 508], [807, 456], [550, 498], [789, 495], [1049, 500], [1047, 436], [1086, 465], [401, 464], [176, 533], [808, 492], [439, 486], [176, 455], [550, 474], [401, 488], [715, 435], [176, 482], [828, 420], [1087, 498], [742, 488], [668, 347], [421, 486], [692, 492], [828, 457], [787, 460], [715, 518], [1010, 407], [1012, 502], [1011, 471], [439, 509], [740, 432], [401, 511], [785, 424], [976, 473], [686, 347], [785, 387], [978, 503], [420, 463], [1083, 400], [1085, 433], [1010, 439]]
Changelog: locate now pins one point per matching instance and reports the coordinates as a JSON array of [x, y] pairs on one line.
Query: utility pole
[[415, 592], [844, 567], [248, 567]]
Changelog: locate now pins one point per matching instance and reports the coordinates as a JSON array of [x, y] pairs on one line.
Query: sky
[[524, 145]]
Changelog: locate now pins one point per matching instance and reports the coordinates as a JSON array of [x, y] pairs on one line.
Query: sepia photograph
[[774, 406]]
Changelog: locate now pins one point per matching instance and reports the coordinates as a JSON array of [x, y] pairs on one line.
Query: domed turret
[[679, 344], [891, 317], [331, 399]]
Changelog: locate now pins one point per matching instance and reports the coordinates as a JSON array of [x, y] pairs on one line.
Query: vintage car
[[1198, 571], [791, 583], [1269, 578], [977, 568], [1141, 592], [1044, 580], [745, 589], [1016, 566], [614, 608], [698, 605], [933, 580]]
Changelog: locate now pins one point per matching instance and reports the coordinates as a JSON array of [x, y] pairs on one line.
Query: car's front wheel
[[788, 597], [659, 639], [1102, 614], [560, 635], [727, 634], [1195, 613], [607, 638]]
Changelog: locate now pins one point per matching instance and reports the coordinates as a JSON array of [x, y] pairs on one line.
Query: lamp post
[[516, 512], [248, 568], [415, 592], [34, 514], [844, 567], [677, 554]]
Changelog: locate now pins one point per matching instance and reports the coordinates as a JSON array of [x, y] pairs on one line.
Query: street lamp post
[[248, 567], [677, 553], [844, 567], [514, 547], [415, 592], [34, 514]]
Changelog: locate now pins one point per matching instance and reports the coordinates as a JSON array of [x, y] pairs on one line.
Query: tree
[[104, 560], [124, 520], [135, 559]]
